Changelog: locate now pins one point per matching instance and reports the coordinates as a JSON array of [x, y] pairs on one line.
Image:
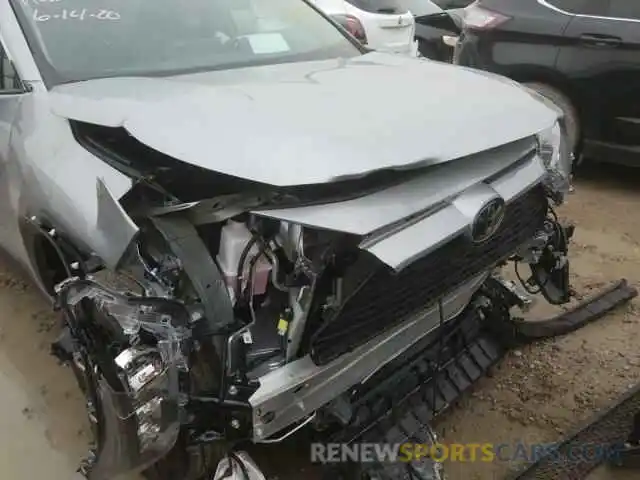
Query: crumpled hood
[[313, 122]]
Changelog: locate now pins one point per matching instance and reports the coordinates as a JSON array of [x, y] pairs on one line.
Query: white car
[[385, 25]]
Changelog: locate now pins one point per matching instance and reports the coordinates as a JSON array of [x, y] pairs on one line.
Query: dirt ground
[[534, 395], [540, 392]]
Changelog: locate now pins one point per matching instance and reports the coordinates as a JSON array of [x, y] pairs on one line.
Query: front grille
[[377, 298]]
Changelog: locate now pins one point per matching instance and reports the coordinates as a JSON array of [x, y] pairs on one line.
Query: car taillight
[[479, 18], [353, 26]]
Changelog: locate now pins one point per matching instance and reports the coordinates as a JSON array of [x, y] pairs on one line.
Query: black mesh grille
[[377, 298]]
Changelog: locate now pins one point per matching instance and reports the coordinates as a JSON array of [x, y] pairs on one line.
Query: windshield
[[77, 40]]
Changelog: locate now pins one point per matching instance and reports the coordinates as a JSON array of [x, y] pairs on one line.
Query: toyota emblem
[[488, 220]]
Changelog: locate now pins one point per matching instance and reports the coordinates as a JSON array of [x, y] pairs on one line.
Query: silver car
[[245, 216]]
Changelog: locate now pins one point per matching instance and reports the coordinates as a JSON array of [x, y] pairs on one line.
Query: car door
[[623, 81], [601, 57], [10, 96]]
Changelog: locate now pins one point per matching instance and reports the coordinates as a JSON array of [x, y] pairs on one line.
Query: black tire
[[564, 103]]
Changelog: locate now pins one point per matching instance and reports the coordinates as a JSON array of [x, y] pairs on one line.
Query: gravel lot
[[538, 393], [535, 395]]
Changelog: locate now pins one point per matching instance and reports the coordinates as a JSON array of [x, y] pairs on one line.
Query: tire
[[560, 100]]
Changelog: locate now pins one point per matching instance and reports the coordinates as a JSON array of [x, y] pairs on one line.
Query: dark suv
[[584, 55]]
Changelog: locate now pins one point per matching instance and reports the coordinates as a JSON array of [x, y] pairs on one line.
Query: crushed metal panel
[[426, 190], [308, 126], [116, 230]]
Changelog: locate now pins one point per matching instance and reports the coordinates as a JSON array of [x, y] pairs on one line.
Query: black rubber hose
[[582, 314], [243, 294], [234, 458], [243, 259]]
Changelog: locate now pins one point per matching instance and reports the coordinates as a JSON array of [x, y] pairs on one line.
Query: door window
[[9, 81], [582, 7], [624, 9]]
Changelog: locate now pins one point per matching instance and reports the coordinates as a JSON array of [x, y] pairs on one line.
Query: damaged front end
[[251, 316]]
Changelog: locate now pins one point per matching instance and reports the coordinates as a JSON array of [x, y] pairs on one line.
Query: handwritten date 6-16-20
[[81, 14]]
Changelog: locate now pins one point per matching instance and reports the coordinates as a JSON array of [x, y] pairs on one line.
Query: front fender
[[115, 231]]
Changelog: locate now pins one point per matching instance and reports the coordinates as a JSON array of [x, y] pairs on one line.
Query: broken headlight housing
[[555, 152], [138, 388], [150, 399]]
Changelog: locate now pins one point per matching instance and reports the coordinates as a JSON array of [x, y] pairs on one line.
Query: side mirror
[[10, 82], [449, 20]]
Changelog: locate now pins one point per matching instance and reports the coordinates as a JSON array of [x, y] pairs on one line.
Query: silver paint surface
[[314, 122], [287, 124], [290, 124]]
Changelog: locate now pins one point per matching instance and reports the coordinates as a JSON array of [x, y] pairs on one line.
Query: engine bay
[[250, 316], [179, 344]]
